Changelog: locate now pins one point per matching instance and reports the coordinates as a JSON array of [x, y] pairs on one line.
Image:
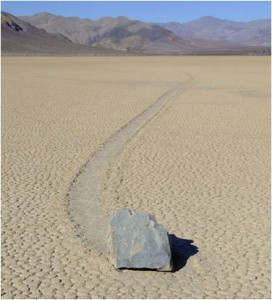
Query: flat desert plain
[[184, 138]]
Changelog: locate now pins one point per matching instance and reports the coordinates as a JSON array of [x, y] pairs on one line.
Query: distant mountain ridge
[[115, 33], [20, 37], [253, 33], [44, 32]]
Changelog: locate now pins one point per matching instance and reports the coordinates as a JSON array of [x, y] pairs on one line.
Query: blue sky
[[146, 11]]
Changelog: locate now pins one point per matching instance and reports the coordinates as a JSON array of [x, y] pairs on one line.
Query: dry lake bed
[[184, 138]]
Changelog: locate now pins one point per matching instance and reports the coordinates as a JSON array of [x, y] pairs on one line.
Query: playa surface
[[200, 164]]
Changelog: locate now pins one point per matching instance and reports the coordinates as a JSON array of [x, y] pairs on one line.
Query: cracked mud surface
[[201, 165]]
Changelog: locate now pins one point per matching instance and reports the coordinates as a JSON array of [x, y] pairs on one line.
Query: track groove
[[84, 195]]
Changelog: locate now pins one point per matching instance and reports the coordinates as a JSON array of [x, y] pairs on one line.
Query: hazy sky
[[145, 11]]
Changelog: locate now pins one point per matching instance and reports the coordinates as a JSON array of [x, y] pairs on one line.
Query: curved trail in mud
[[84, 195]]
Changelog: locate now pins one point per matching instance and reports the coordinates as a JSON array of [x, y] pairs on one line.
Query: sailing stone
[[137, 241]]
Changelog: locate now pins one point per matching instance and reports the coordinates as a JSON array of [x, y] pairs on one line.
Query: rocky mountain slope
[[254, 33], [20, 37], [114, 33]]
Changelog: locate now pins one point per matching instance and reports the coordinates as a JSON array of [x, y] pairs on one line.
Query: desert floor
[[200, 164]]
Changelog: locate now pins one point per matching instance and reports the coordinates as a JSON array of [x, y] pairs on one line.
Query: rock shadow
[[182, 250]]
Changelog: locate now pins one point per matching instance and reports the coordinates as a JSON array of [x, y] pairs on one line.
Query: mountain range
[[52, 34], [254, 33], [20, 37], [114, 33]]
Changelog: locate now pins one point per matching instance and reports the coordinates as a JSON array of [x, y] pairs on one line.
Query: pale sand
[[201, 165]]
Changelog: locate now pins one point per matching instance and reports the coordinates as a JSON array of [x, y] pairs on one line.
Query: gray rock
[[137, 241]]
